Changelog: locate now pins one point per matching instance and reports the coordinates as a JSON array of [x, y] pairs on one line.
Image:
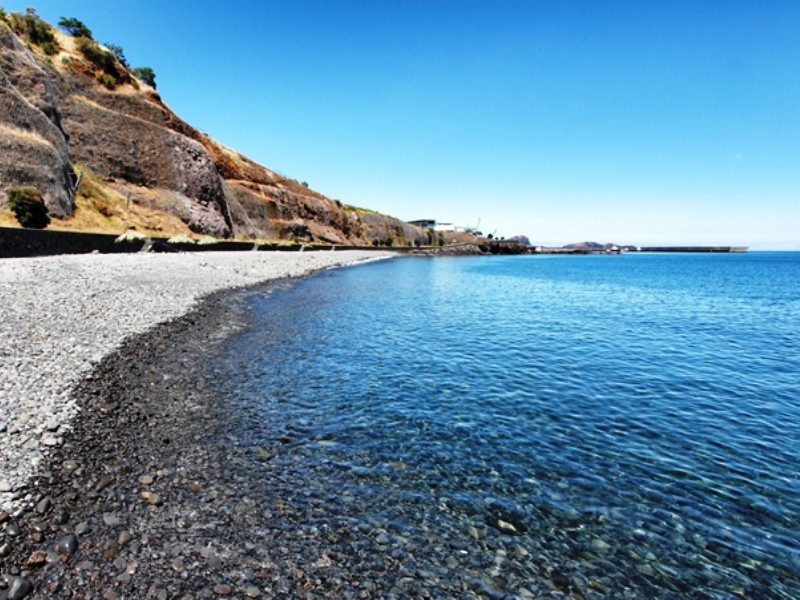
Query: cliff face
[[60, 116], [33, 143]]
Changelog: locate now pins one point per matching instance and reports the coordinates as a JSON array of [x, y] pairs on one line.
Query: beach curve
[[62, 315]]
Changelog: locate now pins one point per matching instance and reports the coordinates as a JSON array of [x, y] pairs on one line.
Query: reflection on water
[[622, 426]]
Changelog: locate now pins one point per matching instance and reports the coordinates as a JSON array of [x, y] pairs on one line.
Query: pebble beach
[[63, 319]]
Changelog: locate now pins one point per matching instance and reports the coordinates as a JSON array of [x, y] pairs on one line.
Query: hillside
[[107, 154]]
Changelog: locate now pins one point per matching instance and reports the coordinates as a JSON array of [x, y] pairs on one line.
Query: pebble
[[111, 519], [39, 557], [124, 537], [82, 528], [646, 569], [151, 498], [223, 589], [20, 587], [67, 545], [43, 505]]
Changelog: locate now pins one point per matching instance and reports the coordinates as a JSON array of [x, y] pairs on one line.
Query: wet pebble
[[19, 588], [67, 545], [43, 505]]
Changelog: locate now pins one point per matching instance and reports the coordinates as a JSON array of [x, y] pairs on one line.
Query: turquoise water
[[609, 426]]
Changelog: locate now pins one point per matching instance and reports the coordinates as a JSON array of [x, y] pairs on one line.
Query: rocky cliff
[[77, 125]]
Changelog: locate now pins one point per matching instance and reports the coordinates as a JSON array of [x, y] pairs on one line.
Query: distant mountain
[[588, 246], [519, 239]]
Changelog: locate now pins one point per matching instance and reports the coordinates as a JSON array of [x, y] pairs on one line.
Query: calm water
[[621, 426]]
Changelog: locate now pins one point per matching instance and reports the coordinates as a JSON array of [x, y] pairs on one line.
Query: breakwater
[[693, 249]]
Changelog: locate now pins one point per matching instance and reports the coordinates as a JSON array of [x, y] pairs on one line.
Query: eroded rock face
[[33, 146], [138, 150]]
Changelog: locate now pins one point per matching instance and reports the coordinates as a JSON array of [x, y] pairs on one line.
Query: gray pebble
[[20, 587], [68, 545]]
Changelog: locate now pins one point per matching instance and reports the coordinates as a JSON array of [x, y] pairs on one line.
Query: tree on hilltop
[[74, 27], [147, 75], [117, 51]]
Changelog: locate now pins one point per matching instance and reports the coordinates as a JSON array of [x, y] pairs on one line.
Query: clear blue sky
[[631, 122]]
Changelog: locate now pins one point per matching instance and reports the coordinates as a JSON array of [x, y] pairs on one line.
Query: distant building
[[432, 224], [429, 223]]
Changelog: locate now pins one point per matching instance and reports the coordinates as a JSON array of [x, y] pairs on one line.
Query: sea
[[533, 426]]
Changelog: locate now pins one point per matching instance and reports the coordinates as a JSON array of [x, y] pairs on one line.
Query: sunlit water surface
[[623, 424]]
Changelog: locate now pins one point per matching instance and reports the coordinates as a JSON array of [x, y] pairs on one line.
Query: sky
[[632, 122]]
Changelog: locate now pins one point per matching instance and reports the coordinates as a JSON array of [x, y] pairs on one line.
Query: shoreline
[[62, 315], [137, 432], [110, 503], [158, 492]]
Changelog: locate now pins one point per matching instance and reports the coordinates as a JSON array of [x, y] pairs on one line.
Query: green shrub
[[50, 48], [146, 74], [100, 58], [28, 207], [117, 51], [74, 27], [35, 30], [108, 80]]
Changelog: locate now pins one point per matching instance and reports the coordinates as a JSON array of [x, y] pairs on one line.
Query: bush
[[117, 51], [50, 48], [100, 58], [36, 30], [28, 207], [74, 27], [108, 80], [146, 74]]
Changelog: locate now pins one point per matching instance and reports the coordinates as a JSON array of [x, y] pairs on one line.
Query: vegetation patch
[[146, 74], [352, 208], [102, 59], [28, 207], [34, 30], [109, 81], [74, 27]]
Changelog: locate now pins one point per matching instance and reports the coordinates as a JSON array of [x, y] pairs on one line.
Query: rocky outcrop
[[33, 146], [55, 115]]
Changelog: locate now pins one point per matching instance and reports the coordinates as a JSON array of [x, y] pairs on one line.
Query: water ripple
[[643, 406]]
